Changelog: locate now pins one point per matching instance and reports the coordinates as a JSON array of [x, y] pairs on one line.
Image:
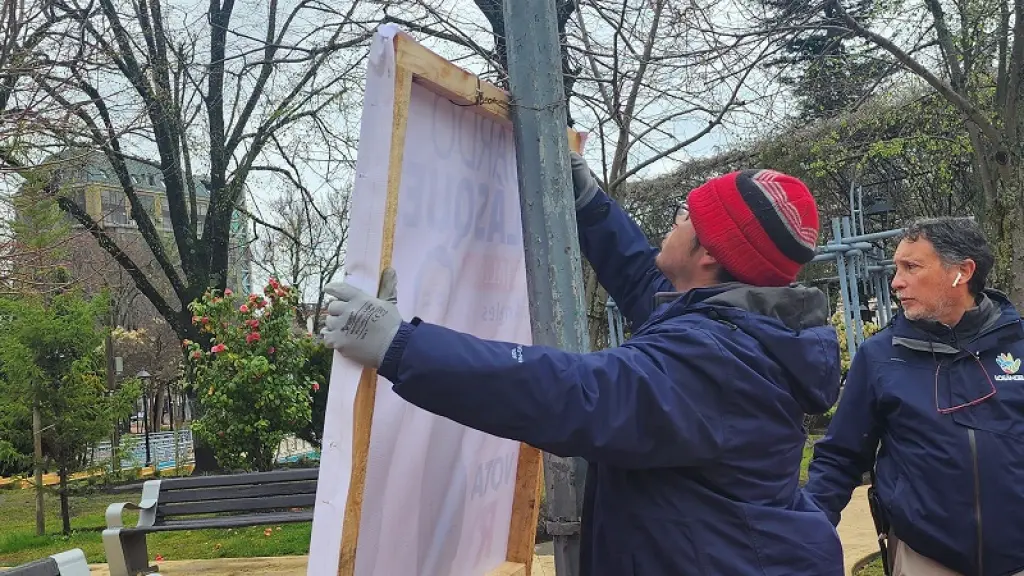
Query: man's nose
[[898, 283]]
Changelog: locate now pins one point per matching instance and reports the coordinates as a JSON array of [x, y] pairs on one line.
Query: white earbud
[[956, 282]]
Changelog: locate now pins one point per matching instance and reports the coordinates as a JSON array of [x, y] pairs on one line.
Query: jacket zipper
[[977, 498]]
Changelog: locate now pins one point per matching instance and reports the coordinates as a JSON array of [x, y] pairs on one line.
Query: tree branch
[[914, 66]]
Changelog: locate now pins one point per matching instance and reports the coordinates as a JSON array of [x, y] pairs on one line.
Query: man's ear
[[966, 270], [706, 260]]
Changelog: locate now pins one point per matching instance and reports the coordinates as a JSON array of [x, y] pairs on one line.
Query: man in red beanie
[[694, 427]]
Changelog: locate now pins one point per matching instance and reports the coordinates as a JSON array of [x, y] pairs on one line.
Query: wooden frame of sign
[[416, 64]]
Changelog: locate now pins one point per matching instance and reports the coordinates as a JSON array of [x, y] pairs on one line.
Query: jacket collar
[[981, 328]]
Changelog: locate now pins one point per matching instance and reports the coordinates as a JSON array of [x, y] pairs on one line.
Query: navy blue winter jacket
[[952, 485], [692, 428]]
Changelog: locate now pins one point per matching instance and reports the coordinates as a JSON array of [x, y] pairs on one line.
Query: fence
[[165, 449], [165, 452]]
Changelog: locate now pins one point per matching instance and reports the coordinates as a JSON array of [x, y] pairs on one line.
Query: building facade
[[89, 179]]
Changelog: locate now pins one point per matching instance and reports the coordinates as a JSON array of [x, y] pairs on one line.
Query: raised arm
[[619, 406], [616, 247]]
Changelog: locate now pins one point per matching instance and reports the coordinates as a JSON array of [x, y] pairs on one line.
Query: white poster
[[438, 496]]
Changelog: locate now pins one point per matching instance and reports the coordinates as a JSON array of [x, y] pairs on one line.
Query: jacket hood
[[791, 323]]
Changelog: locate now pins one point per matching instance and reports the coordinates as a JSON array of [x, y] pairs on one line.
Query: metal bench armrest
[[71, 562], [146, 507]]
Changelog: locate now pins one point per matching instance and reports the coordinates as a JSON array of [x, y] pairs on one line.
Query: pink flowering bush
[[252, 384]]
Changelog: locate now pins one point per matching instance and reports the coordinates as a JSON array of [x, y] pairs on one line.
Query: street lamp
[[144, 376]]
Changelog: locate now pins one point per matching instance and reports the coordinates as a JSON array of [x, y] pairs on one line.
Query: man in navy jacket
[[939, 396], [693, 428]]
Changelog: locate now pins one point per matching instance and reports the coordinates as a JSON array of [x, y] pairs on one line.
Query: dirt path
[[857, 530]]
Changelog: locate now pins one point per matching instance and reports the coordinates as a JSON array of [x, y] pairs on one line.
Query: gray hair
[[956, 239]]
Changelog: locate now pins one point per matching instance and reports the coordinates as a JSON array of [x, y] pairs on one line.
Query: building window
[[78, 197], [200, 216], [165, 213], [148, 204], [114, 208]]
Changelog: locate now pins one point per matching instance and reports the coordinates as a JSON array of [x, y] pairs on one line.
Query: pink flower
[[186, 342], [316, 386], [254, 324], [244, 309], [271, 350], [274, 283], [228, 292], [252, 337], [196, 319], [197, 354], [218, 348]]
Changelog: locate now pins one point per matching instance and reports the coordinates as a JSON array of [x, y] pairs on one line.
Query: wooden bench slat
[[243, 491], [227, 522], [238, 479], [237, 505]]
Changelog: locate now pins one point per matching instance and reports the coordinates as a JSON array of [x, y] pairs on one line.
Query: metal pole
[[115, 454], [609, 307], [851, 346], [854, 286], [887, 295], [874, 236], [880, 289], [620, 332], [145, 422], [553, 271]]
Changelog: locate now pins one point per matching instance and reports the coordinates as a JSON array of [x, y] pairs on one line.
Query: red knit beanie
[[760, 225]]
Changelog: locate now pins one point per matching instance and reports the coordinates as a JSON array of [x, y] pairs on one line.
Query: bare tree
[[221, 99], [305, 247]]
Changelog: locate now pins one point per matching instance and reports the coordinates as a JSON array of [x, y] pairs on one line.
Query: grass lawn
[[19, 544], [873, 568], [808, 453]]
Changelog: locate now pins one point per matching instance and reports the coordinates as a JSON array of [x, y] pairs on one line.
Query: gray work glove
[[360, 326], [584, 181]]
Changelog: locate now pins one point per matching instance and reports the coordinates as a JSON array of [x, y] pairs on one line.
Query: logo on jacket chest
[[1010, 366]]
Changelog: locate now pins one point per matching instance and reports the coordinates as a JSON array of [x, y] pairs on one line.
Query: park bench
[[241, 500], [69, 563]]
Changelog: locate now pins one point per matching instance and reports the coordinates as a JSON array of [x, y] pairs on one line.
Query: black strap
[[881, 523]]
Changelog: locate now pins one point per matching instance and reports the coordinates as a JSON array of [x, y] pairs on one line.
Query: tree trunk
[[37, 441], [206, 460], [1002, 222], [65, 509], [1011, 263], [156, 414]]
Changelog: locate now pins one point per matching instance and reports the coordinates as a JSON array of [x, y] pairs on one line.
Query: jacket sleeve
[[621, 256], [848, 449], [618, 406]]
